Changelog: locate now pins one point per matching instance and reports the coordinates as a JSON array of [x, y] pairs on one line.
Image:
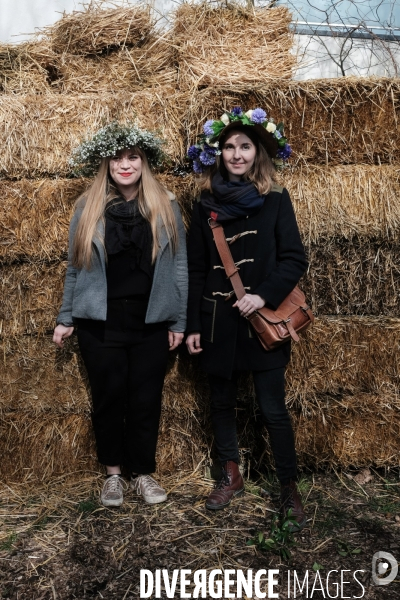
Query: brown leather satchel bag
[[273, 327]]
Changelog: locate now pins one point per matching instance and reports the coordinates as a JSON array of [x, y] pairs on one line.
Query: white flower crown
[[108, 140]]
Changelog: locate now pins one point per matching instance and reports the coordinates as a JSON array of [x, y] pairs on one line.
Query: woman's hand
[[174, 339], [249, 303], [61, 333], [193, 343]]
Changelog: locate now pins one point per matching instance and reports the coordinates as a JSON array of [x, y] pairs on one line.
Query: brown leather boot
[[230, 485], [290, 499]]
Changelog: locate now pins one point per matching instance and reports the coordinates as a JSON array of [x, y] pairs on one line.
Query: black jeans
[[126, 380], [270, 394]]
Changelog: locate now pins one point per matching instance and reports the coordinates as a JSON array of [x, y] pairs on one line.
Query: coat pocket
[[208, 310]]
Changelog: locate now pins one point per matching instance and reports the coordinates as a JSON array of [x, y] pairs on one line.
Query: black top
[[128, 243], [271, 259]]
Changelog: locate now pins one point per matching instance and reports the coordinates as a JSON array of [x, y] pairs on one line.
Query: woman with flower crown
[[126, 292], [236, 159]]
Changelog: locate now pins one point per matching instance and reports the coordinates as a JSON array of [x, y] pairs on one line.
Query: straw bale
[[35, 214], [34, 217], [95, 28], [50, 386], [93, 51], [345, 201], [30, 297], [327, 121], [182, 442], [45, 445], [353, 277], [42, 446], [330, 202], [38, 377], [356, 431], [347, 431], [37, 133], [342, 392], [125, 70], [45, 408], [231, 45], [344, 355], [338, 355], [345, 278], [26, 67]]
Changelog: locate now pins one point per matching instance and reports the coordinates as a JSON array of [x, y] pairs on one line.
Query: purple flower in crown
[[210, 149], [197, 168], [259, 115], [285, 152], [207, 128], [193, 152], [237, 111], [207, 158]]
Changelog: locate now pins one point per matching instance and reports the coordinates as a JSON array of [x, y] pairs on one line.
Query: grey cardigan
[[85, 291]]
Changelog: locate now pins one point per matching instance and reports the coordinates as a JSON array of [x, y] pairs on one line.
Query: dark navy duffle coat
[[271, 259]]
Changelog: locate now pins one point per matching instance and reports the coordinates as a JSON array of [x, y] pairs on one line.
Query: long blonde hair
[[154, 201], [262, 172]]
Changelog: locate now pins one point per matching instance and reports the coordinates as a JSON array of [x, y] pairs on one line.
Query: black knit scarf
[[231, 199], [127, 229]]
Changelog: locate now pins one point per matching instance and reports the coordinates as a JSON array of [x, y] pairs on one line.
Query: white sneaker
[[146, 486], [112, 493]]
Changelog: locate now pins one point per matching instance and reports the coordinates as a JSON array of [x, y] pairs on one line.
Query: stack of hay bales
[[109, 50], [95, 51], [98, 65]]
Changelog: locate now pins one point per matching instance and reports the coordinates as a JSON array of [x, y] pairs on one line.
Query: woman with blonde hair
[[236, 159], [125, 292]]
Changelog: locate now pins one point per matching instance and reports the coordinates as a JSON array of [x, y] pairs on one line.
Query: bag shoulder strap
[[232, 270], [226, 257]]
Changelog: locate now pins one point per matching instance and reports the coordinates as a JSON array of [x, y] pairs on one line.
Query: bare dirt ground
[[58, 543]]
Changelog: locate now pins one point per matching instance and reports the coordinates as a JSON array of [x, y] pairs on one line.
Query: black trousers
[[270, 393], [126, 376]]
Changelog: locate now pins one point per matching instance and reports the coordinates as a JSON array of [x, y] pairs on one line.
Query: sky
[[23, 16]]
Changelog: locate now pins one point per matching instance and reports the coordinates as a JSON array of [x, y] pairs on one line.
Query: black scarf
[[231, 199], [127, 229]]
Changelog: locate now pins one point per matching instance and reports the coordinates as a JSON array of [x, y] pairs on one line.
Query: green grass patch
[[88, 506], [385, 504], [8, 543]]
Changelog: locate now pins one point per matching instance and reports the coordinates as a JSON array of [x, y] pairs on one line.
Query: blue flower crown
[[204, 153]]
